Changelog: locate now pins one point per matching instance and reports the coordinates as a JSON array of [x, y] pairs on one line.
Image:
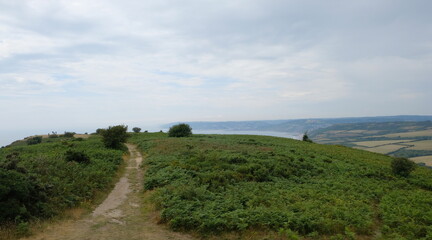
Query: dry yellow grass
[[423, 159], [421, 145], [423, 133], [386, 148], [378, 143]]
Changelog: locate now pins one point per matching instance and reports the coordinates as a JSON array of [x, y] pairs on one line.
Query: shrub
[[306, 138], [75, 156], [180, 130], [53, 135], [69, 134], [113, 137], [99, 130], [402, 166], [34, 140], [136, 129]]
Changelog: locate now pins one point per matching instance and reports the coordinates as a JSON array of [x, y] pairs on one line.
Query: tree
[[402, 166], [113, 137], [306, 138], [136, 129], [180, 130]]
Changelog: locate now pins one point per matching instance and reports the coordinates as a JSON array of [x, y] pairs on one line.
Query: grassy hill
[[257, 187], [43, 179], [403, 139]]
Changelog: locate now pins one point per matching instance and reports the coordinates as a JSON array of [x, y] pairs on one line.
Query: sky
[[80, 65]]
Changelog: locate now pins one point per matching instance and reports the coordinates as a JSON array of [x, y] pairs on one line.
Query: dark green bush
[[402, 166], [15, 195], [69, 134], [34, 140], [136, 129], [306, 138], [75, 156], [115, 136], [180, 130]]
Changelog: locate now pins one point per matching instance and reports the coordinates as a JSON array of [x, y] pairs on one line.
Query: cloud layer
[[95, 63]]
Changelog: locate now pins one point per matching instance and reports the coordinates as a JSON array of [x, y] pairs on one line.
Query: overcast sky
[[78, 64]]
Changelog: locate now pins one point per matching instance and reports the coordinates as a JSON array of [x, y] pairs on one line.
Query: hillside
[[257, 187], [212, 187], [403, 139], [42, 180]]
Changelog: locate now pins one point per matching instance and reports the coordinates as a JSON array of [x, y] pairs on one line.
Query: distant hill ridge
[[296, 125]]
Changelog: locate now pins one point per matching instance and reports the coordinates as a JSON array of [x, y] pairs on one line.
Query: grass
[[276, 188]]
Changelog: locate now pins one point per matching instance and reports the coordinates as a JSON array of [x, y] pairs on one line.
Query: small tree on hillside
[[113, 137], [306, 138], [180, 130], [136, 129], [402, 166]]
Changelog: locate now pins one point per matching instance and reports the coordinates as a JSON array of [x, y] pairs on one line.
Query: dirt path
[[123, 214]]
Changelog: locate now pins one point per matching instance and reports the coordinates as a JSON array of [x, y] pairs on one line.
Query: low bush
[[34, 140], [402, 166], [75, 156], [114, 137], [68, 134], [180, 130]]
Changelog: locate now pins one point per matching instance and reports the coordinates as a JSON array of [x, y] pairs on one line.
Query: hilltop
[[216, 187]]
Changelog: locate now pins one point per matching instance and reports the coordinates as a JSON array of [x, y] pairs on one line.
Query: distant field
[[425, 133], [404, 139], [378, 143], [424, 159], [422, 145], [385, 148]]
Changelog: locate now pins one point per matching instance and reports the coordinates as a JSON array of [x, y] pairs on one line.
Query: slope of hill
[[403, 139], [43, 179], [257, 187]]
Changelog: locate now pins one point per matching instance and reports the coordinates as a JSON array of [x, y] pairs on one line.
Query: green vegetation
[[40, 181], [69, 134], [180, 130], [402, 166], [34, 140], [216, 184], [114, 137], [136, 129], [306, 138]]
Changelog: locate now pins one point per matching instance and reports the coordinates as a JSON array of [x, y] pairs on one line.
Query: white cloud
[[167, 61]]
